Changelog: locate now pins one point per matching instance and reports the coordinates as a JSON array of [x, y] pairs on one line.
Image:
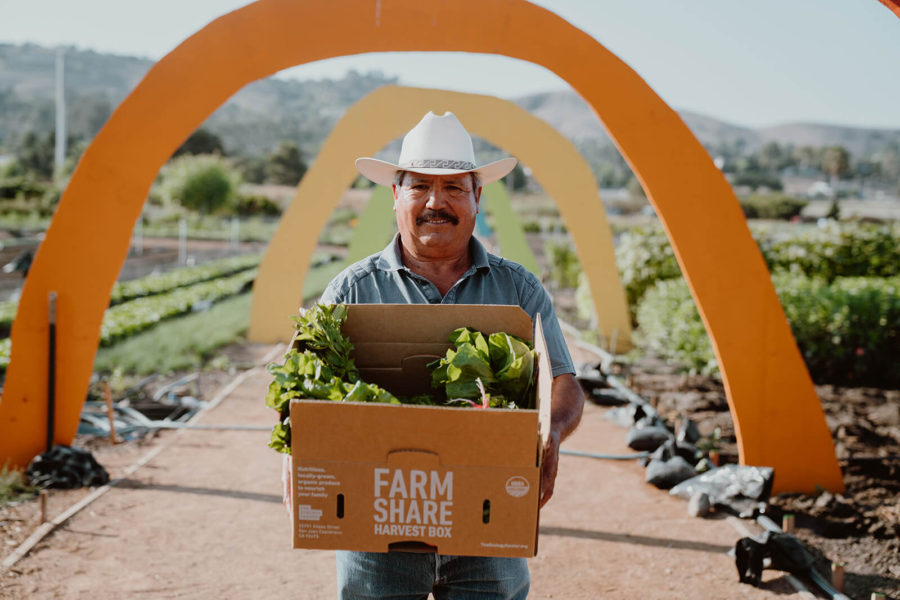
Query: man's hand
[[567, 402], [548, 469]]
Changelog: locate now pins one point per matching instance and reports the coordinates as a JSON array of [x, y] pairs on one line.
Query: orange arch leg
[[778, 418]]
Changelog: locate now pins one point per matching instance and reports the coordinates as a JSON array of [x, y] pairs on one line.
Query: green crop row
[[123, 320], [129, 318], [848, 330], [644, 255], [159, 283]]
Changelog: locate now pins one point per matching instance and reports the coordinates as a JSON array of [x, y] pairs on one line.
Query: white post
[[182, 241], [59, 156]]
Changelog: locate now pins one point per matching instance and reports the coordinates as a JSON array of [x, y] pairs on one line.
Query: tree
[[253, 168], [771, 157], [516, 180], [836, 162], [36, 154], [808, 157], [202, 141], [285, 166], [205, 183]]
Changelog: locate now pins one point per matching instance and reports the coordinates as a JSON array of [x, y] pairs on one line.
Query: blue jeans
[[412, 576]]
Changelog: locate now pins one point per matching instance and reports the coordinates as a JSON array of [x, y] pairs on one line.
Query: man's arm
[[566, 404]]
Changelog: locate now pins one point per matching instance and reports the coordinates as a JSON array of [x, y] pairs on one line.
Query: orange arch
[[892, 5], [778, 418]]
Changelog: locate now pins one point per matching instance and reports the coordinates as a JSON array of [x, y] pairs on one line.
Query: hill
[[254, 120]]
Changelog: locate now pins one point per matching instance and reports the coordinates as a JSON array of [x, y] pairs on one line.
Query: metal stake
[[51, 375]]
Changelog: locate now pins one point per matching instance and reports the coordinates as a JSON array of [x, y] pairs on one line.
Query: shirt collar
[[391, 257]]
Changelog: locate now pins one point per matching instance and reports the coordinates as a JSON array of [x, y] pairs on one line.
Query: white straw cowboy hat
[[436, 146]]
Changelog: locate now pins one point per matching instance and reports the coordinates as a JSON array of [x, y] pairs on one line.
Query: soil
[[859, 528]]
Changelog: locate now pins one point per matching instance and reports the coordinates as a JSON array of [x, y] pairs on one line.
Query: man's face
[[436, 213]]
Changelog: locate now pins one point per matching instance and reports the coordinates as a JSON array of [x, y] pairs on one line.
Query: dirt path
[[203, 519]]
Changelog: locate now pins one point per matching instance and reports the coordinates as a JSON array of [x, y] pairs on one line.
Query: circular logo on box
[[517, 486]]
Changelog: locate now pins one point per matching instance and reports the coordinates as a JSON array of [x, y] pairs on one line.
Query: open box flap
[[544, 382], [423, 323]]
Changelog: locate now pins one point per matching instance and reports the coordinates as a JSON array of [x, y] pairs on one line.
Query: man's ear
[[477, 198], [394, 192]]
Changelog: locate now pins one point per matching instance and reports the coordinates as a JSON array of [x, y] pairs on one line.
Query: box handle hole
[[340, 506], [486, 512]]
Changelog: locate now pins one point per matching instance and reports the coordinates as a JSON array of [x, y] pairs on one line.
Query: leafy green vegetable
[[493, 371], [369, 392], [318, 367], [497, 371], [319, 330]]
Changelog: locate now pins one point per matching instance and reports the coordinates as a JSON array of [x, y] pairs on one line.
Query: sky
[[759, 63]]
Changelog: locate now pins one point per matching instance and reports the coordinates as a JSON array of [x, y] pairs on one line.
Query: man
[[435, 259]]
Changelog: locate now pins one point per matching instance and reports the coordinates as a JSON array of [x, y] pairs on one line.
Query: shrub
[[848, 331], [564, 265], [21, 186], [757, 179], [643, 257], [670, 326], [772, 206], [285, 166], [204, 183], [256, 204], [838, 251]]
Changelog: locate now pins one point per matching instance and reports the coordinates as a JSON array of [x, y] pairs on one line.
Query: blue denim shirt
[[383, 279]]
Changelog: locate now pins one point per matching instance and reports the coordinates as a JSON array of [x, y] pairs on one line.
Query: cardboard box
[[377, 477]]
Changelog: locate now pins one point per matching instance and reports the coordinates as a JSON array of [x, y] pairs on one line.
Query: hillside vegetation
[[259, 116]]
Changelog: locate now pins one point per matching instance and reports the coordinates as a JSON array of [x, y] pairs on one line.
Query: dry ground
[[204, 519]]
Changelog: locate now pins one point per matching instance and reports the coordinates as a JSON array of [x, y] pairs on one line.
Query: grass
[[181, 343], [13, 487]]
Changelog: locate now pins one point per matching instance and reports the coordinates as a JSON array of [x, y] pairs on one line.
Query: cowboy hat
[[436, 146]]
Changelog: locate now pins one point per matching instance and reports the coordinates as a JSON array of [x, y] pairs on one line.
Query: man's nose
[[436, 197]]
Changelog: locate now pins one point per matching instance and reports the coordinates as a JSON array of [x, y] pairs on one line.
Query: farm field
[[859, 528]]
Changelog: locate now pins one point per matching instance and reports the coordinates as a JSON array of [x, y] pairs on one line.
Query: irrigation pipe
[[38, 534], [177, 425], [606, 456], [606, 358]]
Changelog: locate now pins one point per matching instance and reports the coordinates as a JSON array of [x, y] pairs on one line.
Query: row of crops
[[839, 286], [139, 304]]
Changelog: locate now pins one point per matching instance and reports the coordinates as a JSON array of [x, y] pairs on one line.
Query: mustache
[[430, 215]]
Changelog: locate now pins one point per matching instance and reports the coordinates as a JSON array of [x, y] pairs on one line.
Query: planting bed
[[859, 528]]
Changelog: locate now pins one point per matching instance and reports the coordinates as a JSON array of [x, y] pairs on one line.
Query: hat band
[[437, 163]]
